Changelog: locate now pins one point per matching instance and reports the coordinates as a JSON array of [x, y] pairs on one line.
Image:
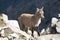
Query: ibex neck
[[38, 21], [37, 17]]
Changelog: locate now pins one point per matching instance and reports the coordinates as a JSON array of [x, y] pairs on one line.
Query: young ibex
[[31, 20]]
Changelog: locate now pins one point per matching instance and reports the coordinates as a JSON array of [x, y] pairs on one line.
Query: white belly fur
[[39, 21]]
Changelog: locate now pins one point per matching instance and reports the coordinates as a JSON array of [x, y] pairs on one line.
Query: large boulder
[[14, 25], [10, 27]]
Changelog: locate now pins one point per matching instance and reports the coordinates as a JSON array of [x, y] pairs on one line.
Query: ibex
[[31, 20]]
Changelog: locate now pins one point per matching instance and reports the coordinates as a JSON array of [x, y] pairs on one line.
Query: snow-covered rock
[[43, 32], [58, 27], [13, 24], [10, 27], [54, 21]]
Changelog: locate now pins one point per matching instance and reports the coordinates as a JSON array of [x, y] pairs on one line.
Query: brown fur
[[30, 20]]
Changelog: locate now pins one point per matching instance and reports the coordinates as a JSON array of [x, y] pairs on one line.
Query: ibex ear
[[42, 8], [38, 9]]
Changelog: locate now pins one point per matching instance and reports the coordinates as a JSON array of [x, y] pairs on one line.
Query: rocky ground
[[10, 35], [44, 37], [50, 37], [10, 30]]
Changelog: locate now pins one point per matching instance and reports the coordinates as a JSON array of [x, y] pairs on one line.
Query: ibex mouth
[[42, 17]]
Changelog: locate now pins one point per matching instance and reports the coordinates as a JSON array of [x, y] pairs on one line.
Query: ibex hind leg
[[22, 27], [26, 29]]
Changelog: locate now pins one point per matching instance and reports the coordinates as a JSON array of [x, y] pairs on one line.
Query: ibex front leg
[[32, 29], [38, 30]]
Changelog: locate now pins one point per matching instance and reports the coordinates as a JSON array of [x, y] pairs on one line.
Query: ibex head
[[40, 12]]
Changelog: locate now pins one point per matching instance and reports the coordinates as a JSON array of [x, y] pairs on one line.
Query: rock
[[9, 28], [14, 22], [50, 37], [48, 30], [8, 31], [43, 32], [58, 27], [54, 21], [5, 38], [13, 25], [2, 33], [35, 35], [1, 38], [29, 32]]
